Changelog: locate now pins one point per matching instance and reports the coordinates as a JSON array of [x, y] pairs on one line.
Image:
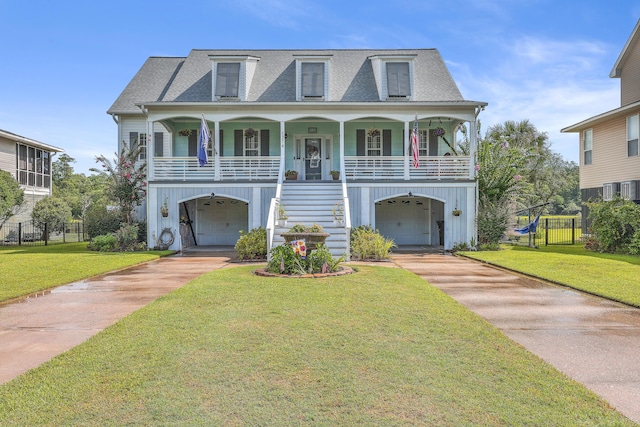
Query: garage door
[[220, 220], [406, 220]]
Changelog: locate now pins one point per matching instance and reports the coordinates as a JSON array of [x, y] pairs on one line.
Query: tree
[[11, 197], [62, 170], [52, 211], [126, 180], [77, 190]]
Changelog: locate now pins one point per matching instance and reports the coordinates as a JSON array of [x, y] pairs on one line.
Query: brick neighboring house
[[609, 152], [29, 161], [313, 112]]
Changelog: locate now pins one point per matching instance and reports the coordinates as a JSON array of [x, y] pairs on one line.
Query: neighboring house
[[310, 111], [29, 161], [609, 155]]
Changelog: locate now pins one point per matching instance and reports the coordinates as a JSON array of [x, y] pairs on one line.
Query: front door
[[313, 159]]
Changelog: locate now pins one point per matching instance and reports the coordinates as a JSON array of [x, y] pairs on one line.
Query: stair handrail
[[347, 210], [274, 206]]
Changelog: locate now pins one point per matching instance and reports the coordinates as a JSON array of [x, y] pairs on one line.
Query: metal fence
[[28, 233], [550, 231]]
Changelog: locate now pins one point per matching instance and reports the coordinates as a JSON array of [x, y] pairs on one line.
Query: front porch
[[356, 168]]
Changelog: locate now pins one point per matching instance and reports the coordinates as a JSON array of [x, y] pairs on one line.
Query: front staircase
[[309, 203]]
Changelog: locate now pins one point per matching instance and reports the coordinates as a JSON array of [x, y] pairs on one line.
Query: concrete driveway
[[38, 328], [590, 339]]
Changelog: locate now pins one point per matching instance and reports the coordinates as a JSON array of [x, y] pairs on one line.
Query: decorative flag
[[203, 142], [300, 248], [414, 143]]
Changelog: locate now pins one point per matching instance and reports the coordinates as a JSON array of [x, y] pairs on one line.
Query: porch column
[[282, 152], [151, 143], [216, 150], [407, 157], [473, 140], [341, 153]]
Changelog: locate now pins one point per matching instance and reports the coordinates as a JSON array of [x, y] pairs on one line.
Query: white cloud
[[551, 83]]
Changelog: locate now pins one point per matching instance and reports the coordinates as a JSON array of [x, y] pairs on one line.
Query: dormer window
[[227, 79], [394, 76], [232, 76], [312, 78], [398, 82], [312, 74]]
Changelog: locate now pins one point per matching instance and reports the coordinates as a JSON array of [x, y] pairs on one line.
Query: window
[[33, 166], [142, 144], [312, 74], [374, 143], [227, 79], [398, 85], [252, 143], [632, 135], [610, 190], [138, 140], [588, 146], [423, 143]]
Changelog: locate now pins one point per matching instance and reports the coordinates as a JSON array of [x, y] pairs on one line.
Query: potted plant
[[338, 214], [312, 235], [164, 209], [291, 175], [456, 212], [335, 175], [282, 216]]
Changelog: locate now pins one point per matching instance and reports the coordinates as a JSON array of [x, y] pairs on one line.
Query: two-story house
[[29, 161], [609, 154], [310, 111]]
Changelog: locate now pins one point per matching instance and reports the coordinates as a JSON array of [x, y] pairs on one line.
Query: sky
[[63, 63]]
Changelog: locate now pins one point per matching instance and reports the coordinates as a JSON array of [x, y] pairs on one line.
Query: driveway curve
[[590, 339]]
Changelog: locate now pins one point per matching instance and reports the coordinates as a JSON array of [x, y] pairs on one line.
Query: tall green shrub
[[252, 245], [615, 226], [369, 244]]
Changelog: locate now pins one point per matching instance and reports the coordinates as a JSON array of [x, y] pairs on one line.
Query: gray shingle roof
[[351, 73]]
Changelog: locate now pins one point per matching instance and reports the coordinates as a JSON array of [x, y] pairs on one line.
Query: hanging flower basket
[[373, 133], [440, 131], [184, 132], [456, 212], [249, 133]]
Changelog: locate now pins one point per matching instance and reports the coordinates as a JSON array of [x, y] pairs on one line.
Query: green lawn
[[28, 269], [616, 277], [378, 348]]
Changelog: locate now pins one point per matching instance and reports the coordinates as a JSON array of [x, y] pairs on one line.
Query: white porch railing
[[393, 167], [231, 168]]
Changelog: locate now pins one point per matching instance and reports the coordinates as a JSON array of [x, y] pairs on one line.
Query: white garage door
[[406, 220], [220, 220]]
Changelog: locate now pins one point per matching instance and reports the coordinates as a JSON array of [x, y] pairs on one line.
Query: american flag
[[203, 142], [414, 144]]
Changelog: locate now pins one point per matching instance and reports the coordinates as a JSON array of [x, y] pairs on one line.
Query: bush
[[104, 243], [369, 244], [252, 245], [100, 221], [284, 260], [125, 239], [615, 226], [493, 220], [52, 211]]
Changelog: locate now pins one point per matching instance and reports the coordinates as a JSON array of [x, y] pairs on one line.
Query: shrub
[[369, 244], [489, 247], [284, 260], [100, 221], [615, 225], [125, 239], [52, 211], [493, 220], [104, 243], [252, 245]]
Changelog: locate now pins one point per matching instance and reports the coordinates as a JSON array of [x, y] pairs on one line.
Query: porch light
[[212, 196], [410, 194]]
